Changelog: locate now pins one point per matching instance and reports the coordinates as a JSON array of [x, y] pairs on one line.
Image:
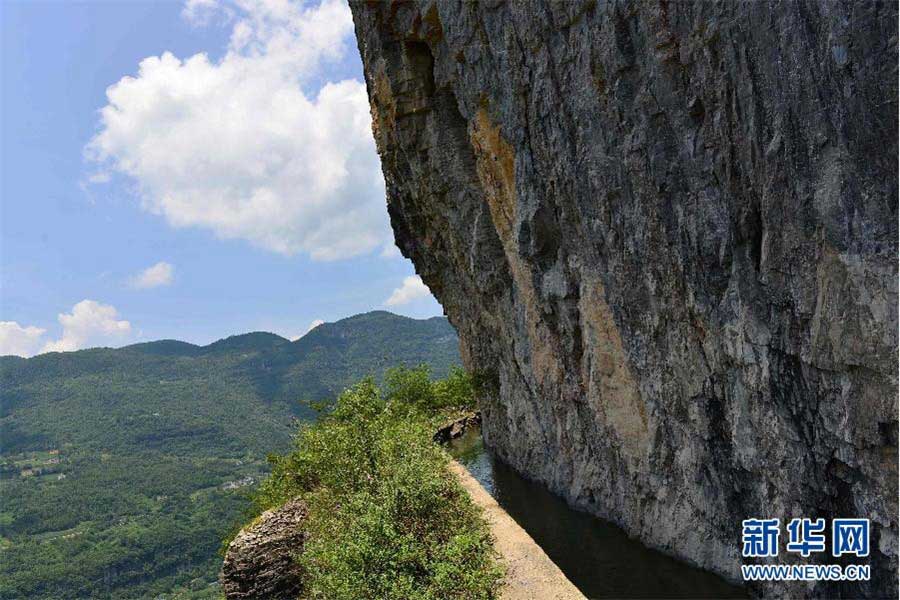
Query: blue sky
[[244, 182]]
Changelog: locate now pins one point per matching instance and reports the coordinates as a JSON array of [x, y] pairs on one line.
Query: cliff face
[[667, 234]]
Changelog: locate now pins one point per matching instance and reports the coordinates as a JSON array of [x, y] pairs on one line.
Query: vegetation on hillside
[[386, 518], [122, 470]]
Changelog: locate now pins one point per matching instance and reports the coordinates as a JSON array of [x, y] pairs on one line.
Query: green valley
[[123, 469]]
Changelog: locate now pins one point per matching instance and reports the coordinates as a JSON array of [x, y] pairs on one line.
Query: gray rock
[[260, 560], [667, 235], [457, 427]]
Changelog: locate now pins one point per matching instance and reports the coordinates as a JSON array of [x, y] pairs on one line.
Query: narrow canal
[[595, 555]]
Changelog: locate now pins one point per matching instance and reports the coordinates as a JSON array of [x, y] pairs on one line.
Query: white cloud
[[199, 12], [412, 289], [159, 274], [238, 146], [89, 324], [312, 326], [391, 251], [18, 340], [99, 177]]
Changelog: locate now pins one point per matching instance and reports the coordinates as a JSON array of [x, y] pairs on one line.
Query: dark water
[[595, 555]]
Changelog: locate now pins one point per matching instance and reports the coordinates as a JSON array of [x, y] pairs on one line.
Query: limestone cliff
[[667, 234]]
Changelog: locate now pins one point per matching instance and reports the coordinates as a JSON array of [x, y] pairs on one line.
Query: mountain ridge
[[170, 345], [146, 449]]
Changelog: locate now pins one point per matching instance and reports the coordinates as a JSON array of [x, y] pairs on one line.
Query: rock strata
[[260, 560], [666, 233]]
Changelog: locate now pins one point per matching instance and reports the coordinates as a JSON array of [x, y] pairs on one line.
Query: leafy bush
[[386, 519]]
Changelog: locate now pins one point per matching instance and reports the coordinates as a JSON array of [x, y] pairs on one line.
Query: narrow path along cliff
[[597, 557], [529, 571]]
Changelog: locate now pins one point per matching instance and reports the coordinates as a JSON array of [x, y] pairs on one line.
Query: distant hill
[[130, 450]]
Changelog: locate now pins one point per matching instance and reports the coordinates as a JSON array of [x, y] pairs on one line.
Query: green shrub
[[387, 519]]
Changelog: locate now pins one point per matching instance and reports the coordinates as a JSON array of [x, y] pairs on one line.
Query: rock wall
[[667, 235], [261, 560]]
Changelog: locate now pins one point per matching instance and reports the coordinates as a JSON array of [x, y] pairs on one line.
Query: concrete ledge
[[529, 571]]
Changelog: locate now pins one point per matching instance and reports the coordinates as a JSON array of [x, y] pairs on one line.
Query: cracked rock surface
[[667, 235], [260, 560]]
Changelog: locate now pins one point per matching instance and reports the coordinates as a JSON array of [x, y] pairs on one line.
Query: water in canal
[[595, 555]]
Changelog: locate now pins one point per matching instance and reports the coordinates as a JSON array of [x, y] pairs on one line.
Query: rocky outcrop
[[667, 235], [260, 560], [457, 427]]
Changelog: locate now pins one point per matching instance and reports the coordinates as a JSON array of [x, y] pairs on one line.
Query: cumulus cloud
[[89, 324], [391, 251], [18, 340], [159, 274], [412, 289], [315, 323], [200, 12], [241, 146], [100, 177]]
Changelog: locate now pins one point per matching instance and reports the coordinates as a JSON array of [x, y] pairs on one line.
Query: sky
[[187, 170]]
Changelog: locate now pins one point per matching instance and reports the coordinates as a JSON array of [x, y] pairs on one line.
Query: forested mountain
[[122, 469]]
